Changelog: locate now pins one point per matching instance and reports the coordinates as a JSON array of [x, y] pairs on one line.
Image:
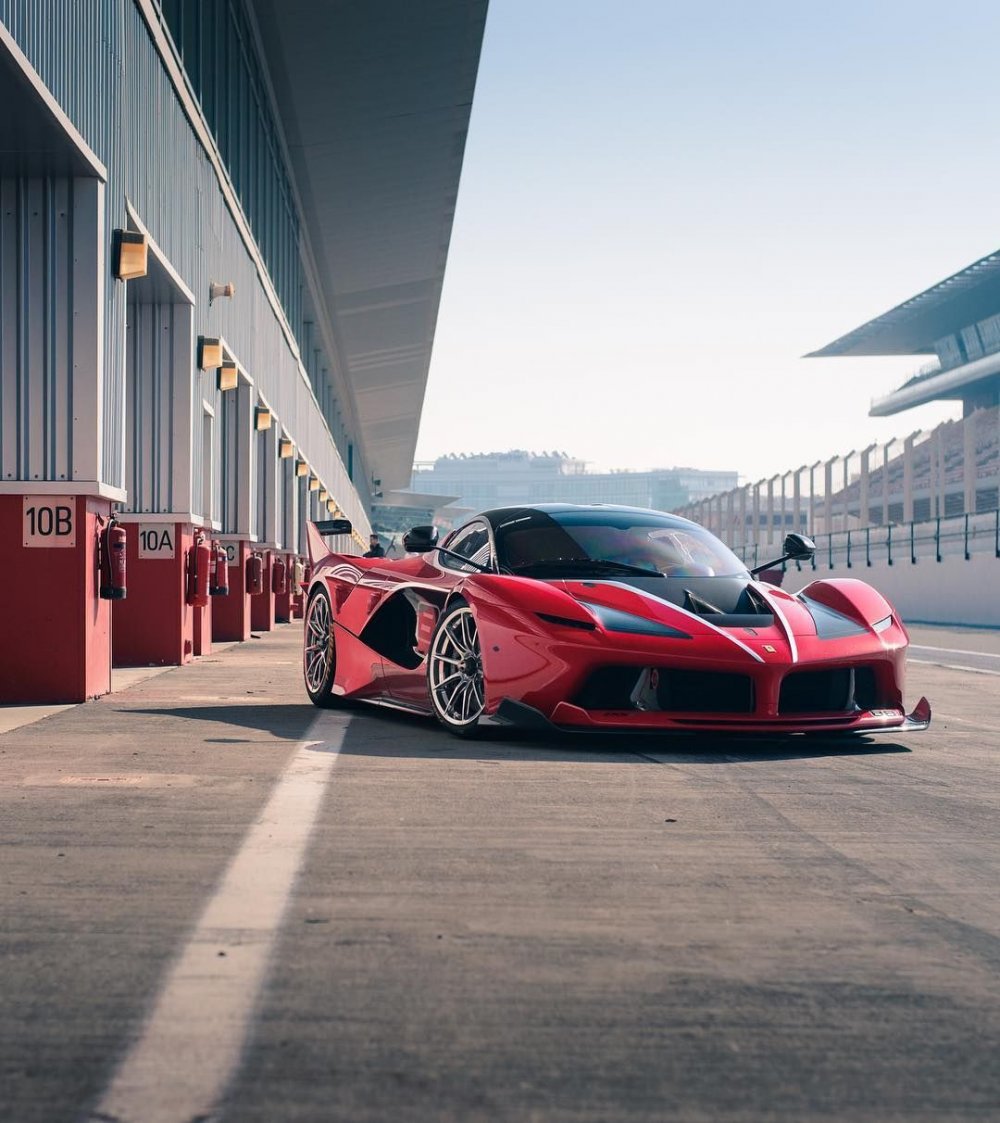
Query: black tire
[[319, 653], [455, 680]]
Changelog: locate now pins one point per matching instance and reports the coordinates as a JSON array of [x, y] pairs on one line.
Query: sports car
[[599, 617]]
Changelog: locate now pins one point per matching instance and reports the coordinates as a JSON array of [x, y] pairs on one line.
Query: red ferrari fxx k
[[599, 617]]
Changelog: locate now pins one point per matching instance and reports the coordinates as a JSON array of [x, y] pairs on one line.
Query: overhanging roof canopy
[[423, 500], [912, 327], [36, 136], [375, 101]]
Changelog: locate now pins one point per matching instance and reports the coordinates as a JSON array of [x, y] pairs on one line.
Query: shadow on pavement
[[383, 733], [288, 722]]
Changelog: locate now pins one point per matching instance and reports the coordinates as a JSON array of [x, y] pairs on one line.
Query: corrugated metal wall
[[288, 525], [265, 451], [36, 328], [77, 49], [183, 208], [159, 364], [216, 46], [99, 61], [239, 506]]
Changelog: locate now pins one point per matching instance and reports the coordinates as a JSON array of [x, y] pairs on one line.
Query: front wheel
[[455, 672], [319, 655]]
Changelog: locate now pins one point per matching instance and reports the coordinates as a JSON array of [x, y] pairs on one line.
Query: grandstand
[[951, 470], [939, 484], [930, 496], [958, 322]]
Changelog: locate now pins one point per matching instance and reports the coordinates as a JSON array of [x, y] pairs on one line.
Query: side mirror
[[797, 547], [334, 526], [420, 539]]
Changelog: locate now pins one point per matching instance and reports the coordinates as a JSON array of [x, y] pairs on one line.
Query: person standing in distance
[[374, 548]]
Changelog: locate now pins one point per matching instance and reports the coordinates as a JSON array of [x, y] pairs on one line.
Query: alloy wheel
[[317, 658], [455, 671]]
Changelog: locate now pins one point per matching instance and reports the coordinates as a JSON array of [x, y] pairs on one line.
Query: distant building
[[498, 479]]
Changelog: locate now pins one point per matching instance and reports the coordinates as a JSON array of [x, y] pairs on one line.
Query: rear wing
[[315, 532]]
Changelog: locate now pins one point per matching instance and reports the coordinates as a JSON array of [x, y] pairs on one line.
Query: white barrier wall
[[951, 591]]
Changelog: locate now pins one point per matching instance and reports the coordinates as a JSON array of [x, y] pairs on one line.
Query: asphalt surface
[[218, 903]]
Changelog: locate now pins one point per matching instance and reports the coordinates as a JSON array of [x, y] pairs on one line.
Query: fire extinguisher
[[279, 579], [220, 572], [112, 543], [199, 570], [255, 574]]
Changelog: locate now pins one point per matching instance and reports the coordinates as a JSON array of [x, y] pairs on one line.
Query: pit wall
[[950, 591]]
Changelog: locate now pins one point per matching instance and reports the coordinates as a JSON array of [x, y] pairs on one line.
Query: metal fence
[[894, 544], [942, 478]]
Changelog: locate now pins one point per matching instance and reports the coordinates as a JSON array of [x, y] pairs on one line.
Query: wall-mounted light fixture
[[262, 418], [217, 289], [229, 376], [130, 255], [210, 353], [301, 468], [324, 495], [285, 448], [313, 483], [331, 507]]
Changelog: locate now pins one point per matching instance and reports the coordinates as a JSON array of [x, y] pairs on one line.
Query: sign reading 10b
[[49, 520]]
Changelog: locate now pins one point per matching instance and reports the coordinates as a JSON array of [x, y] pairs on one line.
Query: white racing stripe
[[191, 1043]]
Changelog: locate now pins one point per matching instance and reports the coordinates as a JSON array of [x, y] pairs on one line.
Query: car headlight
[[881, 625], [614, 620]]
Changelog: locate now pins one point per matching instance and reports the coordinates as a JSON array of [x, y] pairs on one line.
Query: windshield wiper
[[600, 565]]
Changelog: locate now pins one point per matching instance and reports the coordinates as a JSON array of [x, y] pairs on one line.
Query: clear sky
[[664, 205]]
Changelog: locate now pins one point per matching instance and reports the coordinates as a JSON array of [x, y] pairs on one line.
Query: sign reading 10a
[[49, 520], [156, 540]]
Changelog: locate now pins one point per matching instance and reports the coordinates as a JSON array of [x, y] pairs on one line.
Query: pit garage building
[[223, 234]]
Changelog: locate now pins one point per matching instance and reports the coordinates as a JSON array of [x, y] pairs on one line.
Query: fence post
[[850, 564], [967, 555], [888, 544], [829, 542], [913, 549], [937, 538]]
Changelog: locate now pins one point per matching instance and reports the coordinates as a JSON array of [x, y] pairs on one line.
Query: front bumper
[[566, 716]]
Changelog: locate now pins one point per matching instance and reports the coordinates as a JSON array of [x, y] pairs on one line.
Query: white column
[[969, 461], [828, 493], [908, 458]]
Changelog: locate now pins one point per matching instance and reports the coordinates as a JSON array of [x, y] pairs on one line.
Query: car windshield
[[597, 542]]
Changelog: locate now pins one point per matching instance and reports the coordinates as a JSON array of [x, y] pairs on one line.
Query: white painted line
[[955, 651], [967, 721], [191, 1043], [953, 666]]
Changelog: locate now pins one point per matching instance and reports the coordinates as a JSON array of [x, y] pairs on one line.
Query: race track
[[219, 903]]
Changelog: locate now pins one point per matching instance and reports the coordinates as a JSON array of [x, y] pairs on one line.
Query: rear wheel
[[455, 678], [319, 655]]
